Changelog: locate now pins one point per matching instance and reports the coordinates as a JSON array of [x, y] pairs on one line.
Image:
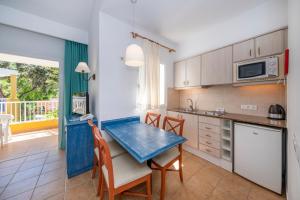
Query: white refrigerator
[[258, 155]]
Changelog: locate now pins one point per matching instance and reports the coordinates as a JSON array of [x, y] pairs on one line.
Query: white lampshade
[[134, 56], [82, 67]]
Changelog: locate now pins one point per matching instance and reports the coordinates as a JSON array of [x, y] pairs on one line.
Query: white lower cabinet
[[190, 130], [208, 138], [258, 155]]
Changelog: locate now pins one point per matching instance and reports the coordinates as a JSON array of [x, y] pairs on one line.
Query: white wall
[[23, 20], [26, 43], [93, 51], [264, 18], [116, 88], [293, 99]]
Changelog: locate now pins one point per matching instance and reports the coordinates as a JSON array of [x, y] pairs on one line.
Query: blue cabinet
[[79, 146]]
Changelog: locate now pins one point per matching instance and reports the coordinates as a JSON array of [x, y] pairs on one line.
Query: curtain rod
[[135, 35]]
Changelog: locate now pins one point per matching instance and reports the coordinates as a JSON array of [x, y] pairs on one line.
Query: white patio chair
[[5, 120]]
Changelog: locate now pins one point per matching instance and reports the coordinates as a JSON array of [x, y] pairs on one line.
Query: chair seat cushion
[[126, 170], [114, 148], [166, 157]]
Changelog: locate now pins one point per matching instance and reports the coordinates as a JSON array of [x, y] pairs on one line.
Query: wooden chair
[[152, 119], [115, 148], [164, 161], [121, 173]]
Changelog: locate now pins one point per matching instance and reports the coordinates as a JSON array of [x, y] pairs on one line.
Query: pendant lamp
[[134, 56]]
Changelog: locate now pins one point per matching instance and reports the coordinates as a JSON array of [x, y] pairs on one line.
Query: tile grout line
[[12, 178], [39, 176]]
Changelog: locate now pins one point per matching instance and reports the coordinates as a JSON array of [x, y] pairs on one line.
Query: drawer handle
[[208, 135], [254, 133], [208, 128], [208, 142]]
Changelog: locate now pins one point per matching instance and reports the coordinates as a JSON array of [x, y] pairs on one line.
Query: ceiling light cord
[[133, 2]]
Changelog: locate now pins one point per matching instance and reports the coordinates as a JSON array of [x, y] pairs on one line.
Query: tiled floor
[[39, 173]]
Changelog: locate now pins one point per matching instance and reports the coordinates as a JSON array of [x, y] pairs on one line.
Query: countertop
[[258, 120]]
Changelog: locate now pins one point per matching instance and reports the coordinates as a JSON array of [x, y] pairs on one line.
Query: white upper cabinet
[[217, 67], [270, 44], [187, 72], [243, 50], [179, 74], [193, 71]]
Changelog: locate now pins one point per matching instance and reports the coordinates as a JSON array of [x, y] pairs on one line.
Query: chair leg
[[94, 167], [163, 184], [180, 169], [149, 188], [101, 188], [111, 195], [100, 184]]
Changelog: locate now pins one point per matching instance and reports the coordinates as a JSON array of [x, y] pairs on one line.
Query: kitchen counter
[[258, 120]]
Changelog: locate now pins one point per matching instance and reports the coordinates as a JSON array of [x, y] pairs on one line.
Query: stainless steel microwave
[[259, 69]]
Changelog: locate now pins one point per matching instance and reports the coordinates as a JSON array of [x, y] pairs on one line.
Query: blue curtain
[[73, 81]]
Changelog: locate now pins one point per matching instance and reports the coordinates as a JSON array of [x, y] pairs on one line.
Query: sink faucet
[[191, 104]]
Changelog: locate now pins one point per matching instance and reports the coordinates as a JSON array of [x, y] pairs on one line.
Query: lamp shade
[[82, 67], [134, 56]]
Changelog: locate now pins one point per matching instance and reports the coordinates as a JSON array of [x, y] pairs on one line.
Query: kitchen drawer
[[209, 150], [209, 127], [209, 135], [210, 120], [210, 142]]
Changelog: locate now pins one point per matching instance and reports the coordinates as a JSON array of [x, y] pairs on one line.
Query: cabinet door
[[243, 51], [270, 44], [193, 71], [190, 130], [217, 67], [180, 74]]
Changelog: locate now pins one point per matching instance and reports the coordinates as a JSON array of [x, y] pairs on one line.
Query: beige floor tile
[[22, 196], [184, 193], [55, 158], [200, 188], [53, 166], [29, 173], [51, 176], [259, 193], [19, 187], [78, 180], [234, 187], [10, 163], [31, 164], [49, 190], [8, 170], [37, 156], [81, 192], [4, 180], [60, 196]]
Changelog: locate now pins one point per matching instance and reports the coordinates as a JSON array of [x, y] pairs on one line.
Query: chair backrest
[[93, 126], [152, 119], [174, 125], [105, 157]]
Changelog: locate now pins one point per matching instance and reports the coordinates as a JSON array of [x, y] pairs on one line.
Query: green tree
[[33, 83]]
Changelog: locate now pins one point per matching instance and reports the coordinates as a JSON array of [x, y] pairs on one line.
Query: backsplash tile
[[231, 98]]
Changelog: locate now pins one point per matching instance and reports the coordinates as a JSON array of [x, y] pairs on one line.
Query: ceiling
[[174, 19], [75, 13]]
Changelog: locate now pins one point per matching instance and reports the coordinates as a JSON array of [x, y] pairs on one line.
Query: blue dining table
[[140, 140]]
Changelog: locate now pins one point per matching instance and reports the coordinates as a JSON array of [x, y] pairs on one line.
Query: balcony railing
[[24, 111]]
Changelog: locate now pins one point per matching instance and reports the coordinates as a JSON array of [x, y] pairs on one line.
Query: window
[[162, 85]]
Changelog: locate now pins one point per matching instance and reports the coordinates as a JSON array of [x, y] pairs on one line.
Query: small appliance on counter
[[276, 112]]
